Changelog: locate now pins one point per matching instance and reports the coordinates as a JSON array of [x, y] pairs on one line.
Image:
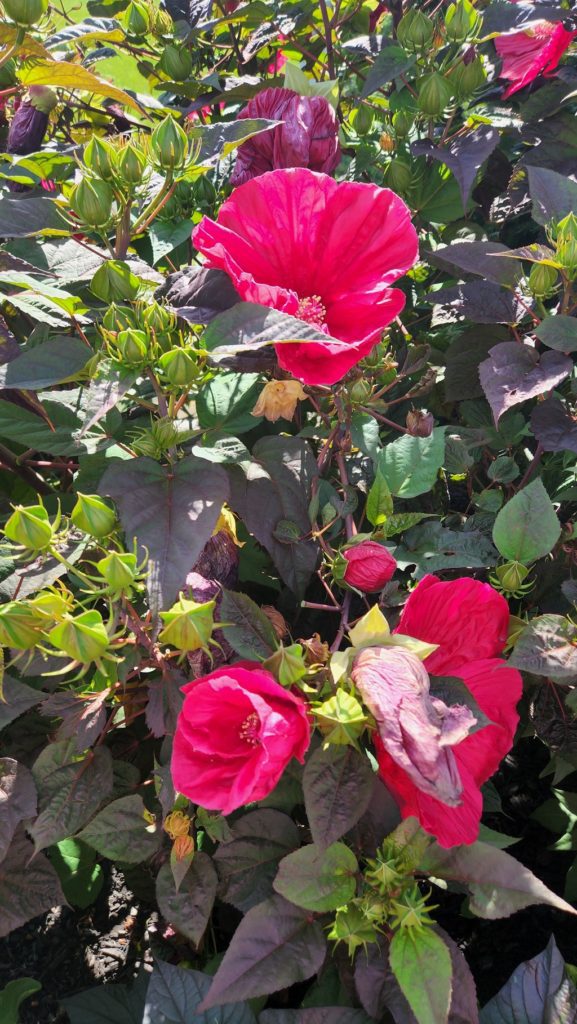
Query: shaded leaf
[[58, 359], [220, 139], [554, 195], [17, 698], [248, 630], [553, 426], [17, 799], [527, 527], [463, 156], [275, 945], [248, 863], [188, 909], [482, 302], [70, 790], [248, 326], [174, 996], [513, 373], [23, 216], [103, 30], [432, 546], [13, 995], [547, 647], [538, 992], [103, 394], [83, 715], [121, 831], [28, 885], [318, 878], [315, 1015], [338, 786], [489, 260], [558, 332], [391, 62], [109, 1004]]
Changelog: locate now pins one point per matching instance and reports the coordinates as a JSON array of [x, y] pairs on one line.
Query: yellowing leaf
[[372, 629], [296, 80], [29, 44], [73, 77]]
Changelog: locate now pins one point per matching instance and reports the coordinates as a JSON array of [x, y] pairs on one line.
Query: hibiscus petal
[[497, 688]]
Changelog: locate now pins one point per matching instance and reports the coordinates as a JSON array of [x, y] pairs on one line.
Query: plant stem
[[343, 623]]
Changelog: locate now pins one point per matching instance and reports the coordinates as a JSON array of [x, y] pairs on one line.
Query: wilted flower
[[535, 51], [322, 251], [29, 124], [278, 399], [420, 423], [369, 566], [308, 136]]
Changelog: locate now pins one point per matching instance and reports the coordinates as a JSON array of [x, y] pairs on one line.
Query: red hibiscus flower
[[323, 251], [468, 620], [308, 136], [236, 733], [528, 54], [369, 567]]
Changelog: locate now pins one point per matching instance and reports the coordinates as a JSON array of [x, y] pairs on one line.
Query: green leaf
[[401, 521], [102, 30], [410, 464], [248, 630], [13, 995], [121, 831], [296, 80], [365, 434], [319, 878], [431, 547], [527, 527], [218, 140], [391, 62], [70, 790], [227, 401], [338, 786], [558, 332], [56, 360], [379, 505], [421, 964], [188, 909], [247, 864], [23, 217], [81, 877]]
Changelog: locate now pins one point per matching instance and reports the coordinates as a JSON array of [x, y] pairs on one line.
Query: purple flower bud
[[307, 138], [29, 124]]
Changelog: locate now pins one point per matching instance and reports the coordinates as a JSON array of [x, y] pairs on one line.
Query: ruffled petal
[[497, 688]]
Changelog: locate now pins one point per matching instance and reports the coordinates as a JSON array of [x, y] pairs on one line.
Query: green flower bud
[[100, 158], [460, 21], [341, 719], [132, 347], [157, 319], [25, 12], [82, 637], [399, 174], [411, 911], [30, 527], [169, 145], [92, 201], [415, 30], [287, 664], [8, 74], [20, 625], [118, 318], [176, 62], [511, 576], [188, 625], [467, 78], [567, 244], [136, 19], [131, 164], [115, 282], [542, 280], [52, 605], [361, 119], [360, 391], [93, 515], [434, 94], [352, 927], [120, 571], [179, 368], [402, 123]]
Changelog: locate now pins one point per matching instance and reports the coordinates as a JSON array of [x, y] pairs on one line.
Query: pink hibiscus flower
[[323, 251], [468, 620], [528, 54]]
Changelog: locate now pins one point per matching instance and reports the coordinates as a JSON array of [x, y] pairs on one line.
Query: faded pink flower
[[308, 136]]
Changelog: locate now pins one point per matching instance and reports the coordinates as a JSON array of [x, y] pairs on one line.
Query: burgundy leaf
[[553, 426], [514, 373]]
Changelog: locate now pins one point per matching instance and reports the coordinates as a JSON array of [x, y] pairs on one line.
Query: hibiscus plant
[[288, 450]]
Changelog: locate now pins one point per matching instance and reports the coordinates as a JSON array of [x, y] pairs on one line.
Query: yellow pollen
[[313, 310], [249, 730]]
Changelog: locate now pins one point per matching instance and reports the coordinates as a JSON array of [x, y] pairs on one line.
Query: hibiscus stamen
[[312, 309], [249, 729]]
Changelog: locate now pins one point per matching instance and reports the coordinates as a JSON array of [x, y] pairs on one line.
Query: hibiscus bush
[[288, 453]]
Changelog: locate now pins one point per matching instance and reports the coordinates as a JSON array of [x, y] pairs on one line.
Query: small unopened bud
[[402, 123], [367, 566], [415, 30], [467, 77], [512, 576], [542, 280], [82, 637], [132, 347], [178, 367], [460, 21], [136, 19], [30, 527], [287, 664], [25, 12], [93, 515], [434, 94], [360, 391], [567, 244], [399, 174], [420, 423], [131, 164], [119, 569], [20, 625], [176, 62], [188, 625], [100, 158], [115, 282], [118, 318], [92, 201], [361, 119], [169, 145]]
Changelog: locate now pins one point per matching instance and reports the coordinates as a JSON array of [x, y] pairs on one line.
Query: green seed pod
[[92, 201], [131, 164], [402, 123], [415, 31], [169, 145], [434, 94], [360, 391], [30, 527], [20, 625], [176, 62], [467, 78], [93, 515], [100, 158], [25, 12], [132, 347], [119, 571], [188, 625], [136, 19], [361, 119], [399, 175], [178, 367], [511, 576], [460, 21], [82, 637], [115, 282], [542, 280]]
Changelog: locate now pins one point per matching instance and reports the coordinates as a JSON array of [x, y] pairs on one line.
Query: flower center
[[249, 729], [312, 310]]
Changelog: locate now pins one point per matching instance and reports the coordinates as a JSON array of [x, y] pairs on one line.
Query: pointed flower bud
[[353, 929], [92, 201], [341, 719], [434, 94], [120, 570], [25, 12], [132, 347], [169, 145], [176, 62], [399, 174], [415, 30], [179, 368], [82, 637], [542, 280], [100, 158], [512, 576], [369, 566], [20, 625], [402, 123], [567, 244], [287, 664], [30, 527], [93, 515], [188, 625], [131, 164], [460, 21]]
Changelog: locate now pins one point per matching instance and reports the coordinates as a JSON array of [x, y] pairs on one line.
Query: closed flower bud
[[115, 282], [419, 423], [136, 19], [567, 244], [92, 201], [434, 94], [352, 928], [118, 318], [179, 368], [511, 576], [82, 637], [387, 142], [287, 664], [52, 605], [20, 625], [361, 119], [360, 391], [466, 78], [176, 62], [341, 719], [542, 280], [30, 527], [157, 318], [368, 566], [415, 30], [278, 399], [188, 626], [132, 347], [25, 12], [93, 515], [29, 124], [100, 158], [402, 123], [460, 21], [399, 175], [169, 145], [131, 164], [120, 571]]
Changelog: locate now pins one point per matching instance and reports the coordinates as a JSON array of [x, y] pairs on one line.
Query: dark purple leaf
[[490, 260], [275, 945], [70, 791], [463, 358], [188, 909], [103, 395], [83, 717], [391, 62], [171, 512], [109, 1004], [121, 831], [538, 992], [17, 799], [514, 373], [501, 16], [174, 996], [248, 863], [164, 702], [463, 156], [315, 1015], [482, 302], [17, 698], [28, 885], [558, 332], [554, 195], [553, 426], [338, 786], [548, 647]]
